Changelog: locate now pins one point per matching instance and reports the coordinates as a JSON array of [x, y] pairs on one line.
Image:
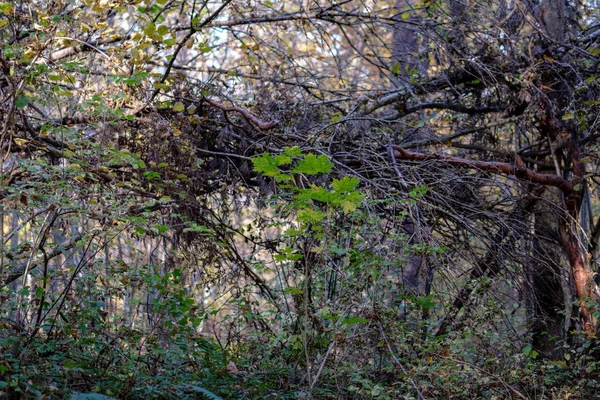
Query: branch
[[429, 87], [507, 169], [464, 132], [454, 107], [187, 37], [490, 263], [247, 114], [85, 46], [36, 262]]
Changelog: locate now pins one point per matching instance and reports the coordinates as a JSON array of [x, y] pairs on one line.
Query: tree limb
[[502, 168]]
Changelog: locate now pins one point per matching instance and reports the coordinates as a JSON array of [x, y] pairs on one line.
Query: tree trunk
[[546, 274]]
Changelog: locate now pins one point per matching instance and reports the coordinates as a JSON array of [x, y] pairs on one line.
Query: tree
[[329, 199]]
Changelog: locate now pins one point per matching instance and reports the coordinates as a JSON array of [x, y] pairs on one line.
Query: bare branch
[[520, 173]]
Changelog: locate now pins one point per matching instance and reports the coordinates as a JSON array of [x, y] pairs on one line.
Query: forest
[[299, 199]]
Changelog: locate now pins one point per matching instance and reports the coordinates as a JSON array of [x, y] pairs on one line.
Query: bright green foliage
[[313, 165], [288, 167]]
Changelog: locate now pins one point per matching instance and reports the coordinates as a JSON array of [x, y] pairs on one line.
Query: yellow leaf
[[348, 206], [178, 107], [29, 54]]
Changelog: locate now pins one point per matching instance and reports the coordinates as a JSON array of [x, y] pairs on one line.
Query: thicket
[[255, 199]]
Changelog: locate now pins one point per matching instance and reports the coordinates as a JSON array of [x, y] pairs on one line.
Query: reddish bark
[[581, 276], [570, 241], [508, 169], [247, 114]]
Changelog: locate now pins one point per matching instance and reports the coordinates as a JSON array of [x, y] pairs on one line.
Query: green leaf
[[150, 175], [22, 101], [149, 29], [266, 165], [293, 151], [425, 301], [288, 254], [312, 165], [163, 30], [282, 159], [283, 177], [161, 229], [346, 184], [396, 68], [6, 8], [316, 193], [293, 290], [210, 395], [204, 47], [308, 215], [178, 107]]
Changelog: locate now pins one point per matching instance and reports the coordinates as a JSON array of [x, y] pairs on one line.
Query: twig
[[316, 378]]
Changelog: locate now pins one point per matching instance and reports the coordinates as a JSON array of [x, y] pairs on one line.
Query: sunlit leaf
[[312, 165]]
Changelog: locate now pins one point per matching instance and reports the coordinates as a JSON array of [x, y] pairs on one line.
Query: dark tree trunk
[[548, 297]]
